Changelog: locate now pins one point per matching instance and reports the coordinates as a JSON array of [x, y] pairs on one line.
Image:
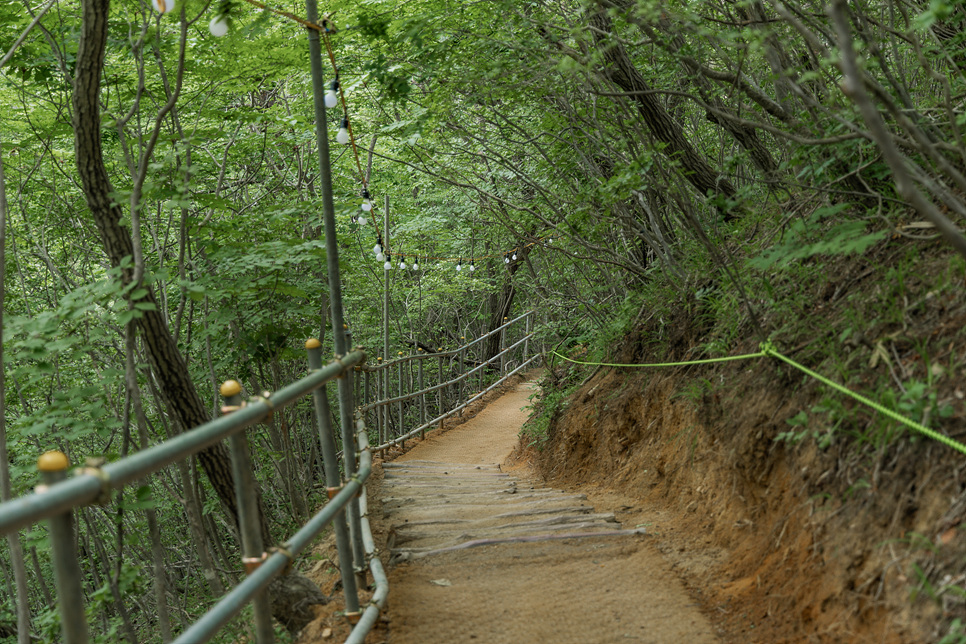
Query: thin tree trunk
[[154, 534], [13, 539], [620, 69], [292, 595]]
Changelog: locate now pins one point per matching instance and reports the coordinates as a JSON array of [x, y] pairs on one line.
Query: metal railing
[[57, 497], [390, 414]]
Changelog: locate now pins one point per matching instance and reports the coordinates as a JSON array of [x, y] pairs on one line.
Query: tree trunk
[[499, 304], [620, 69], [13, 539], [166, 360], [170, 369]]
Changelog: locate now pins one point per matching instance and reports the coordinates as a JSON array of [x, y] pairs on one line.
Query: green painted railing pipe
[[248, 514], [378, 600], [67, 573], [451, 352], [443, 385], [333, 479], [86, 488], [233, 602]]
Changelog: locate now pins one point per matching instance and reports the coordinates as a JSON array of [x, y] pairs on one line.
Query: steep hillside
[[794, 513]]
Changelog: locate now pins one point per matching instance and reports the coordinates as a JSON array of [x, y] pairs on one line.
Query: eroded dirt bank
[[780, 543]]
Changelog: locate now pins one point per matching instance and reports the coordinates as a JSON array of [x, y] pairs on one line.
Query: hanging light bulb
[[377, 249], [506, 259], [332, 96], [402, 262], [380, 257], [388, 264], [163, 6], [343, 134], [361, 220], [218, 26], [472, 266], [459, 265], [366, 207], [416, 263], [514, 258]]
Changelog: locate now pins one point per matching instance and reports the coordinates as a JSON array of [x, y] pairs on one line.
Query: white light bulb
[[163, 6], [343, 136], [472, 267], [377, 248], [459, 267], [416, 265], [506, 260], [331, 99], [366, 205], [361, 220], [218, 27], [380, 257], [387, 266], [514, 258]]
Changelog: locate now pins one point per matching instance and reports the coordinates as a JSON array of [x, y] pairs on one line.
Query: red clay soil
[[773, 542]]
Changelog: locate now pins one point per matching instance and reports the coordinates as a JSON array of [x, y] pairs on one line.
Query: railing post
[[367, 396], [479, 359], [349, 456], [333, 481], [67, 573], [253, 550], [502, 347], [380, 426], [461, 383], [399, 405], [422, 400], [439, 392], [386, 424], [526, 343]]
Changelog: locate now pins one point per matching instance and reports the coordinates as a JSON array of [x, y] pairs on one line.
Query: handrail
[[58, 496], [410, 434], [87, 486], [454, 388], [233, 602], [447, 353], [459, 378], [378, 600]]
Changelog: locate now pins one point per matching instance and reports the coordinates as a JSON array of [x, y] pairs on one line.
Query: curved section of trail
[[485, 554]]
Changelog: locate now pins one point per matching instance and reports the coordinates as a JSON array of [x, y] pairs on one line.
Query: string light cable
[[335, 97]]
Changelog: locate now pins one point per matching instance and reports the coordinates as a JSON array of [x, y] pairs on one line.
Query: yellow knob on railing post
[[231, 392], [53, 461], [67, 574], [314, 348]]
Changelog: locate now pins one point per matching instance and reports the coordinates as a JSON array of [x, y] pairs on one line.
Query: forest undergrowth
[[825, 521]]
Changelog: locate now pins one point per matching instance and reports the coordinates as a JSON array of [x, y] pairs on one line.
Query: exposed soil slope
[[854, 541]]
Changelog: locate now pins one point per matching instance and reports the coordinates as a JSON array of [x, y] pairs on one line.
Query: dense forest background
[[609, 164]]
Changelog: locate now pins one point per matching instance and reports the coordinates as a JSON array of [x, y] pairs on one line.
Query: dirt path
[[591, 589]]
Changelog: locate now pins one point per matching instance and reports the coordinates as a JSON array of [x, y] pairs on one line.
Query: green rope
[[768, 350], [760, 354], [922, 429]]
